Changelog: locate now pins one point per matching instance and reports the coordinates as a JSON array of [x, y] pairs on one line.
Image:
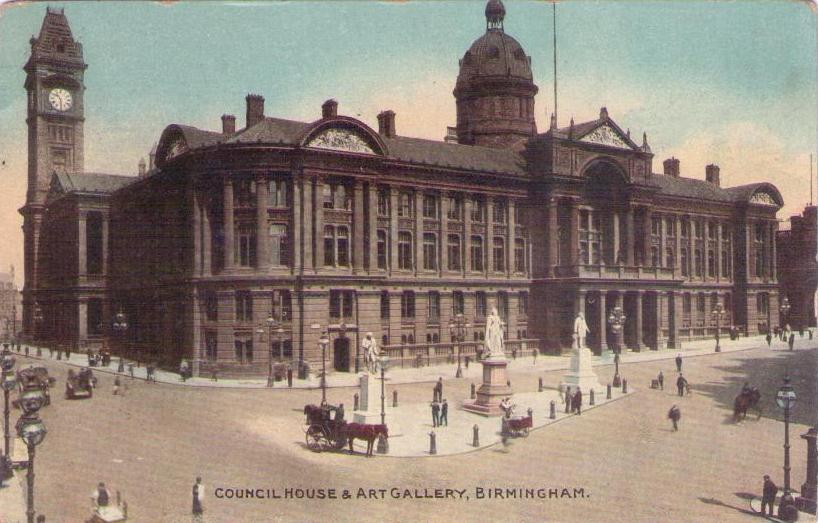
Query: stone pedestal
[[581, 373], [809, 489], [369, 400], [493, 390]]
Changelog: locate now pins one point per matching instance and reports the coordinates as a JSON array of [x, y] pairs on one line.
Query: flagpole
[[554, 21]]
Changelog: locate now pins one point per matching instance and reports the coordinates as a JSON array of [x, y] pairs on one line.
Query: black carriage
[[517, 426], [35, 378], [80, 384], [324, 427]]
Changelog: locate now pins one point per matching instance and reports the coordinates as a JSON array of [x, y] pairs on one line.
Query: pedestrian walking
[[435, 414], [792, 340], [183, 370], [800, 332], [578, 401], [661, 380], [679, 362], [130, 369], [444, 413], [438, 390], [198, 496], [675, 415], [568, 400], [681, 385], [810, 332], [769, 339], [769, 492], [116, 386]]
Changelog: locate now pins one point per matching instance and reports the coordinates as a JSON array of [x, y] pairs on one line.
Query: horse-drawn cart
[[80, 384], [35, 378], [517, 426], [323, 431]]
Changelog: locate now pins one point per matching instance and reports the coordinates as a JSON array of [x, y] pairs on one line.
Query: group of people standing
[[440, 407], [573, 401]]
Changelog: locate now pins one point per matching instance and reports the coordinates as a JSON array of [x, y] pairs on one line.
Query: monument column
[[228, 224]]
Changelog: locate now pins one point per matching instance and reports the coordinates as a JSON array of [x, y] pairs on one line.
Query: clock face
[[60, 99]]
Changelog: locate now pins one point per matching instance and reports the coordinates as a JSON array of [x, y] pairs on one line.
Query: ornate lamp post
[[785, 309], [8, 383], [323, 342], [457, 327], [383, 443], [39, 320], [31, 429], [616, 319], [785, 398], [120, 326], [718, 313]]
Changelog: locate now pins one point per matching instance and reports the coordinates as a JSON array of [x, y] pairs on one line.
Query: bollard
[[394, 398], [539, 389], [553, 410], [121, 366], [624, 386], [472, 391], [355, 401], [591, 398], [608, 395], [531, 415], [432, 443], [476, 437], [383, 444], [290, 377]]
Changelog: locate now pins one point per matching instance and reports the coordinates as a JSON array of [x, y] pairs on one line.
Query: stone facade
[[239, 247], [798, 268]]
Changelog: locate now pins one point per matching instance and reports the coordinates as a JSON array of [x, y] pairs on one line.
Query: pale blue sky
[[727, 82]]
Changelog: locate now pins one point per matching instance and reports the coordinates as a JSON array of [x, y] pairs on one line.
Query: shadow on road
[[713, 501]]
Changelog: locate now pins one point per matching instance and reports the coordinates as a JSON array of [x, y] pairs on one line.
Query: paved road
[[151, 444]]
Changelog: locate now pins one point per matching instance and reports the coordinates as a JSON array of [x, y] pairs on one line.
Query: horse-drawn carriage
[[325, 431], [35, 378], [517, 426], [80, 384], [748, 398]]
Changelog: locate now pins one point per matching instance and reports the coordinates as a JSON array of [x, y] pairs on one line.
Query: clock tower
[[55, 117]]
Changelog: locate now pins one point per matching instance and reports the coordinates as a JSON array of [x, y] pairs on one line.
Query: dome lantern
[[495, 13]]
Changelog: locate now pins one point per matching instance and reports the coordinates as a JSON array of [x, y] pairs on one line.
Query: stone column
[[553, 236], [196, 218], [207, 237], [646, 233], [229, 227], [630, 238], [718, 251], [307, 219], [662, 239], [318, 217], [372, 221], [774, 253], [358, 224], [489, 238], [443, 234], [295, 233], [640, 295], [602, 324], [82, 244], [749, 256], [660, 306], [418, 232], [467, 203], [393, 231], [677, 233], [82, 320], [510, 237], [573, 235], [615, 256], [105, 218], [262, 232], [691, 251]]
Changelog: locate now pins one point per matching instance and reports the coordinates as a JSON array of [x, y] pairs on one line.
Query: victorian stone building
[[798, 267], [241, 246]]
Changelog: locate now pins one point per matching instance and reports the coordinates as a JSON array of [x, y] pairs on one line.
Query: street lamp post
[[38, 320], [273, 327], [120, 326], [32, 430], [786, 399], [616, 319], [718, 313], [8, 383], [457, 329], [323, 342], [383, 444]]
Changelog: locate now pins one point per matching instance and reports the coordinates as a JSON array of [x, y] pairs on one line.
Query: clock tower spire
[[55, 118]]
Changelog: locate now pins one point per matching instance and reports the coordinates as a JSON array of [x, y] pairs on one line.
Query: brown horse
[[745, 401], [368, 433]]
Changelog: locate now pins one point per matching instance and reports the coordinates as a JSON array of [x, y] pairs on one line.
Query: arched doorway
[[340, 354]]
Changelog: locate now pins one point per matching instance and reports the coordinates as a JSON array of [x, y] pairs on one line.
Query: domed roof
[[495, 54]]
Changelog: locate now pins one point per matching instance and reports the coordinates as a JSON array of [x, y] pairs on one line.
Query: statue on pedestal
[[580, 331], [370, 350], [494, 335]]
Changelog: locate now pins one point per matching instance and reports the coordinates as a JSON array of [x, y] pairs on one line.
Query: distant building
[[331, 225], [798, 269], [10, 306]]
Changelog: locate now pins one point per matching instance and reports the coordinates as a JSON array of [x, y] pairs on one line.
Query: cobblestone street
[[154, 440]]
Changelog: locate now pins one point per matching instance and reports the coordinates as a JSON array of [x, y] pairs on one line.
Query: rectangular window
[[655, 226], [405, 250], [499, 253], [670, 258], [522, 305], [383, 202], [279, 248], [93, 242], [278, 193], [340, 304], [685, 228], [405, 207], [519, 215], [329, 246], [244, 193], [481, 304], [699, 262], [434, 306], [502, 305], [244, 349], [381, 249], [700, 302], [686, 304], [685, 261], [699, 230], [654, 256], [429, 251], [725, 263], [478, 210], [455, 210], [519, 255], [342, 244], [211, 305], [711, 263], [384, 305], [477, 253], [282, 305], [430, 206], [407, 305], [454, 250], [457, 302], [711, 231], [670, 227], [246, 245], [500, 211], [244, 306], [211, 345]]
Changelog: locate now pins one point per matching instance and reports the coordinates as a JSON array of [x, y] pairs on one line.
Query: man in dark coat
[[578, 401], [435, 413], [768, 495], [679, 362], [769, 338], [444, 413], [675, 415], [438, 391], [568, 397], [681, 385], [661, 380], [792, 340], [339, 412], [198, 495]]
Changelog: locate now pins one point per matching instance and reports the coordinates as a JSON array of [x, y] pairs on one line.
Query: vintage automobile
[[80, 384], [35, 378]]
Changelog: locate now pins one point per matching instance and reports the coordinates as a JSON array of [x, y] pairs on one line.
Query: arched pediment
[[767, 194], [171, 144], [345, 135]]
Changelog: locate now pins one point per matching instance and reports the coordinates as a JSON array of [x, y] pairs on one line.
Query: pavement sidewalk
[[407, 375]]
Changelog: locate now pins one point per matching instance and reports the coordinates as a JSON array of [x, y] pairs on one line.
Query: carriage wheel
[[314, 435], [525, 432]]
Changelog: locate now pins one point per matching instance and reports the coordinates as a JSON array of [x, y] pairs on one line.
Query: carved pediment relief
[[606, 135], [177, 147], [763, 198], [338, 139]]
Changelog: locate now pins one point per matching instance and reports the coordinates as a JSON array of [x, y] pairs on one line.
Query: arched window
[[711, 263]]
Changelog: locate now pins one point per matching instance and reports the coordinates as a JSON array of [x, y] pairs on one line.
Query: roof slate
[[92, 182]]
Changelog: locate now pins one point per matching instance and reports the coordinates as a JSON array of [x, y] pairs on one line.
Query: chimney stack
[[386, 124], [671, 166], [255, 109], [142, 170], [329, 109], [229, 124], [451, 135], [712, 174]]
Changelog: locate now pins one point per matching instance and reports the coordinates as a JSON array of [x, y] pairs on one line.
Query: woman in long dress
[[494, 334]]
